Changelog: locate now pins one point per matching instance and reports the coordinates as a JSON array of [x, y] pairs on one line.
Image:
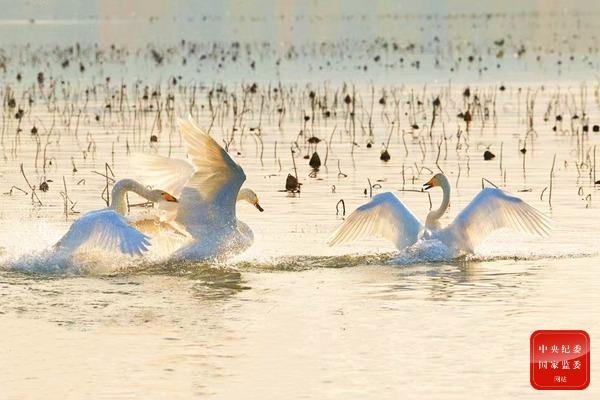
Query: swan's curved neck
[[120, 189], [246, 195], [434, 216]]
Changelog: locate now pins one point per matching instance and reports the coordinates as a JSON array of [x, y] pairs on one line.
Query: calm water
[[293, 318]]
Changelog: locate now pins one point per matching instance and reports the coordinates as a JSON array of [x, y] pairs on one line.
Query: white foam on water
[[27, 246], [424, 251]]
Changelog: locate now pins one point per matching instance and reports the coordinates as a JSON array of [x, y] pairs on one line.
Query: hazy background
[[113, 21]]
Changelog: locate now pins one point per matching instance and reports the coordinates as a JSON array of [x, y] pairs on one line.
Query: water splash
[[424, 251], [20, 252]]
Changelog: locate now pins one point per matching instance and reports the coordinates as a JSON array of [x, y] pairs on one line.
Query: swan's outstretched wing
[[216, 182], [107, 230], [493, 209], [385, 215], [215, 169], [154, 226], [168, 174], [167, 236]]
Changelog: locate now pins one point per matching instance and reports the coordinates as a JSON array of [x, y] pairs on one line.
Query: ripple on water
[[49, 262]]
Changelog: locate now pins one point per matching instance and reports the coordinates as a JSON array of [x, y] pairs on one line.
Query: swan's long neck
[[246, 195], [434, 216], [120, 189]]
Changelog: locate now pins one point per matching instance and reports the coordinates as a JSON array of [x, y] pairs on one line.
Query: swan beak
[[429, 184], [259, 207], [169, 198]]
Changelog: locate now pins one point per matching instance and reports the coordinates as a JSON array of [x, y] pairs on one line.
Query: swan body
[[108, 228], [208, 186], [385, 215]]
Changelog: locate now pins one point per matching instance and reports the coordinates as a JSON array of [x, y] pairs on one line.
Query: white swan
[[208, 188], [385, 215], [108, 229]]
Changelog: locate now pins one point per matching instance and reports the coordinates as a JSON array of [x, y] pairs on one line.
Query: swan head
[[158, 195], [251, 197], [439, 180]]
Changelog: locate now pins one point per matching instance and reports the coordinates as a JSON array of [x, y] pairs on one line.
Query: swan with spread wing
[[385, 215], [109, 229], [208, 187]]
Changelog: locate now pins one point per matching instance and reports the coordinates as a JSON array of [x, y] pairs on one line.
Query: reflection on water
[[202, 330]]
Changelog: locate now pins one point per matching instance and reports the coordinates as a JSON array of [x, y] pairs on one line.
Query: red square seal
[[560, 360]]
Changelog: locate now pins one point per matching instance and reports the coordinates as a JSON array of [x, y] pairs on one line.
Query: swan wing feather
[[210, 195], [107, 230], [494, 209], [384, 215], [154, 226], [216, 171], [168, 174]]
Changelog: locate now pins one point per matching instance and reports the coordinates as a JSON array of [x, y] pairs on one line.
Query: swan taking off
[[385, 215], [208, 187], [108, 229]]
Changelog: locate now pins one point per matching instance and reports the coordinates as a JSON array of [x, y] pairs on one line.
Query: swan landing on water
[[208, 187], [108, 229], [385, 215]]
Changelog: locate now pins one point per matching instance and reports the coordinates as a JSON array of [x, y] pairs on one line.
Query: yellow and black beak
[[429, 184], [258, 207], [169, 198]]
